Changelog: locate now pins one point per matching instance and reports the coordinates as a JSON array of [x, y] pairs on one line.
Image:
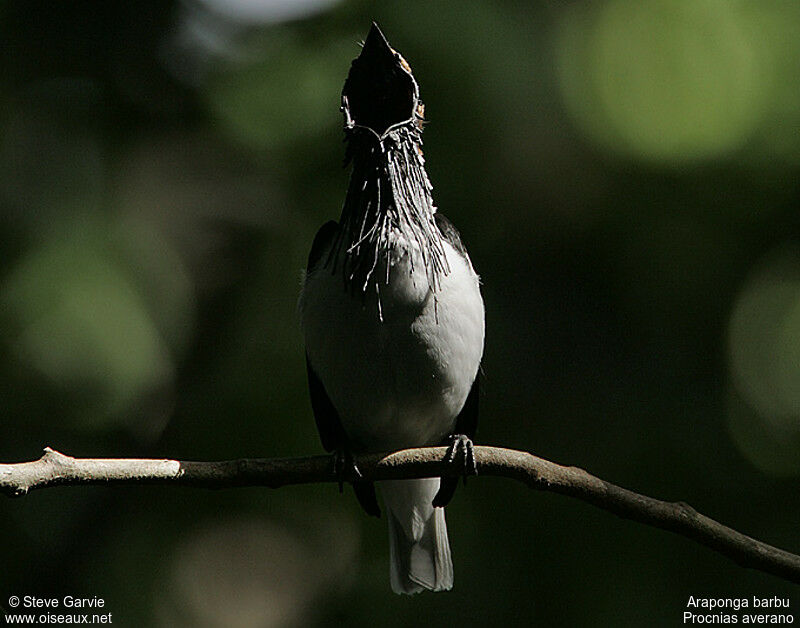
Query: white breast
[[398, 375]]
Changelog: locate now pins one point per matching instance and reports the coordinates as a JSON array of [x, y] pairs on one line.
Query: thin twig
[[54, 468]]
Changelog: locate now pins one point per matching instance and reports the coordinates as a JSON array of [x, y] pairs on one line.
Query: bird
[[393, 319]]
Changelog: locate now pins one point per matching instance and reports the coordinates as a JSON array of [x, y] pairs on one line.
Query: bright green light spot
[[668, 81], [764, 354], [83, 324], [764, 340]]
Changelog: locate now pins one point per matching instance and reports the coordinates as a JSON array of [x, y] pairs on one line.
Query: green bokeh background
[[625, 175]]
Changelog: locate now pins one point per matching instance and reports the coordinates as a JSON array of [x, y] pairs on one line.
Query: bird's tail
[[418, 545]]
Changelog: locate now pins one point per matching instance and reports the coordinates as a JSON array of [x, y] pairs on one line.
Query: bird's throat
[[389, 196]]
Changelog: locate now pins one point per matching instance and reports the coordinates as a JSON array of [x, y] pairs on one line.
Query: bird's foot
[[460, 444], [345, 468]]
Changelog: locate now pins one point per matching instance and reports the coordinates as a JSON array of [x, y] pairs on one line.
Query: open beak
[[380, 91]]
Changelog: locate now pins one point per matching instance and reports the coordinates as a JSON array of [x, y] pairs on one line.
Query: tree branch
[[54, 468]]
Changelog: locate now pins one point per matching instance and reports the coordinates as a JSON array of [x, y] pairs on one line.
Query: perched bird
[[393, 318]]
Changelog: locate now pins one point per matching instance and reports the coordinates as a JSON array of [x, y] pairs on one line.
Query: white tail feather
[[418, 545]]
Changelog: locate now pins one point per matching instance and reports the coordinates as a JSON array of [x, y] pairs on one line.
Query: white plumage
[[397, 362]]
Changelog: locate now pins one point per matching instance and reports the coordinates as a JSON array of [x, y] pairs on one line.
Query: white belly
[[401, 381]]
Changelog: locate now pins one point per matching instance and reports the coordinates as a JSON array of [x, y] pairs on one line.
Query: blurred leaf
[[764, 350], [764, 339], [285, 89], [670, 80], [82, 323], [771, 448]]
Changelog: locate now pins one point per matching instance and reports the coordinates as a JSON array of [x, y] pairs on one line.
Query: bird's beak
[[380, 91]]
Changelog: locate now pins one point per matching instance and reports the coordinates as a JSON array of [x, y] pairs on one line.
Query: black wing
[[333, 436], [450, 233], [329, 425], [326, 416], [325, 236]]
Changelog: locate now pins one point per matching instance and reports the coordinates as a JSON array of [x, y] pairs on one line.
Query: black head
[[380, 90]]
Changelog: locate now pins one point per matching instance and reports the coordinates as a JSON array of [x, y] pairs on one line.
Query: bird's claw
[[459, 444], [462, 444], [345, 468]]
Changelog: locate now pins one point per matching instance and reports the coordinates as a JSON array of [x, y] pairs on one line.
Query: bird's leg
[[459, 444], [344, 467]]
